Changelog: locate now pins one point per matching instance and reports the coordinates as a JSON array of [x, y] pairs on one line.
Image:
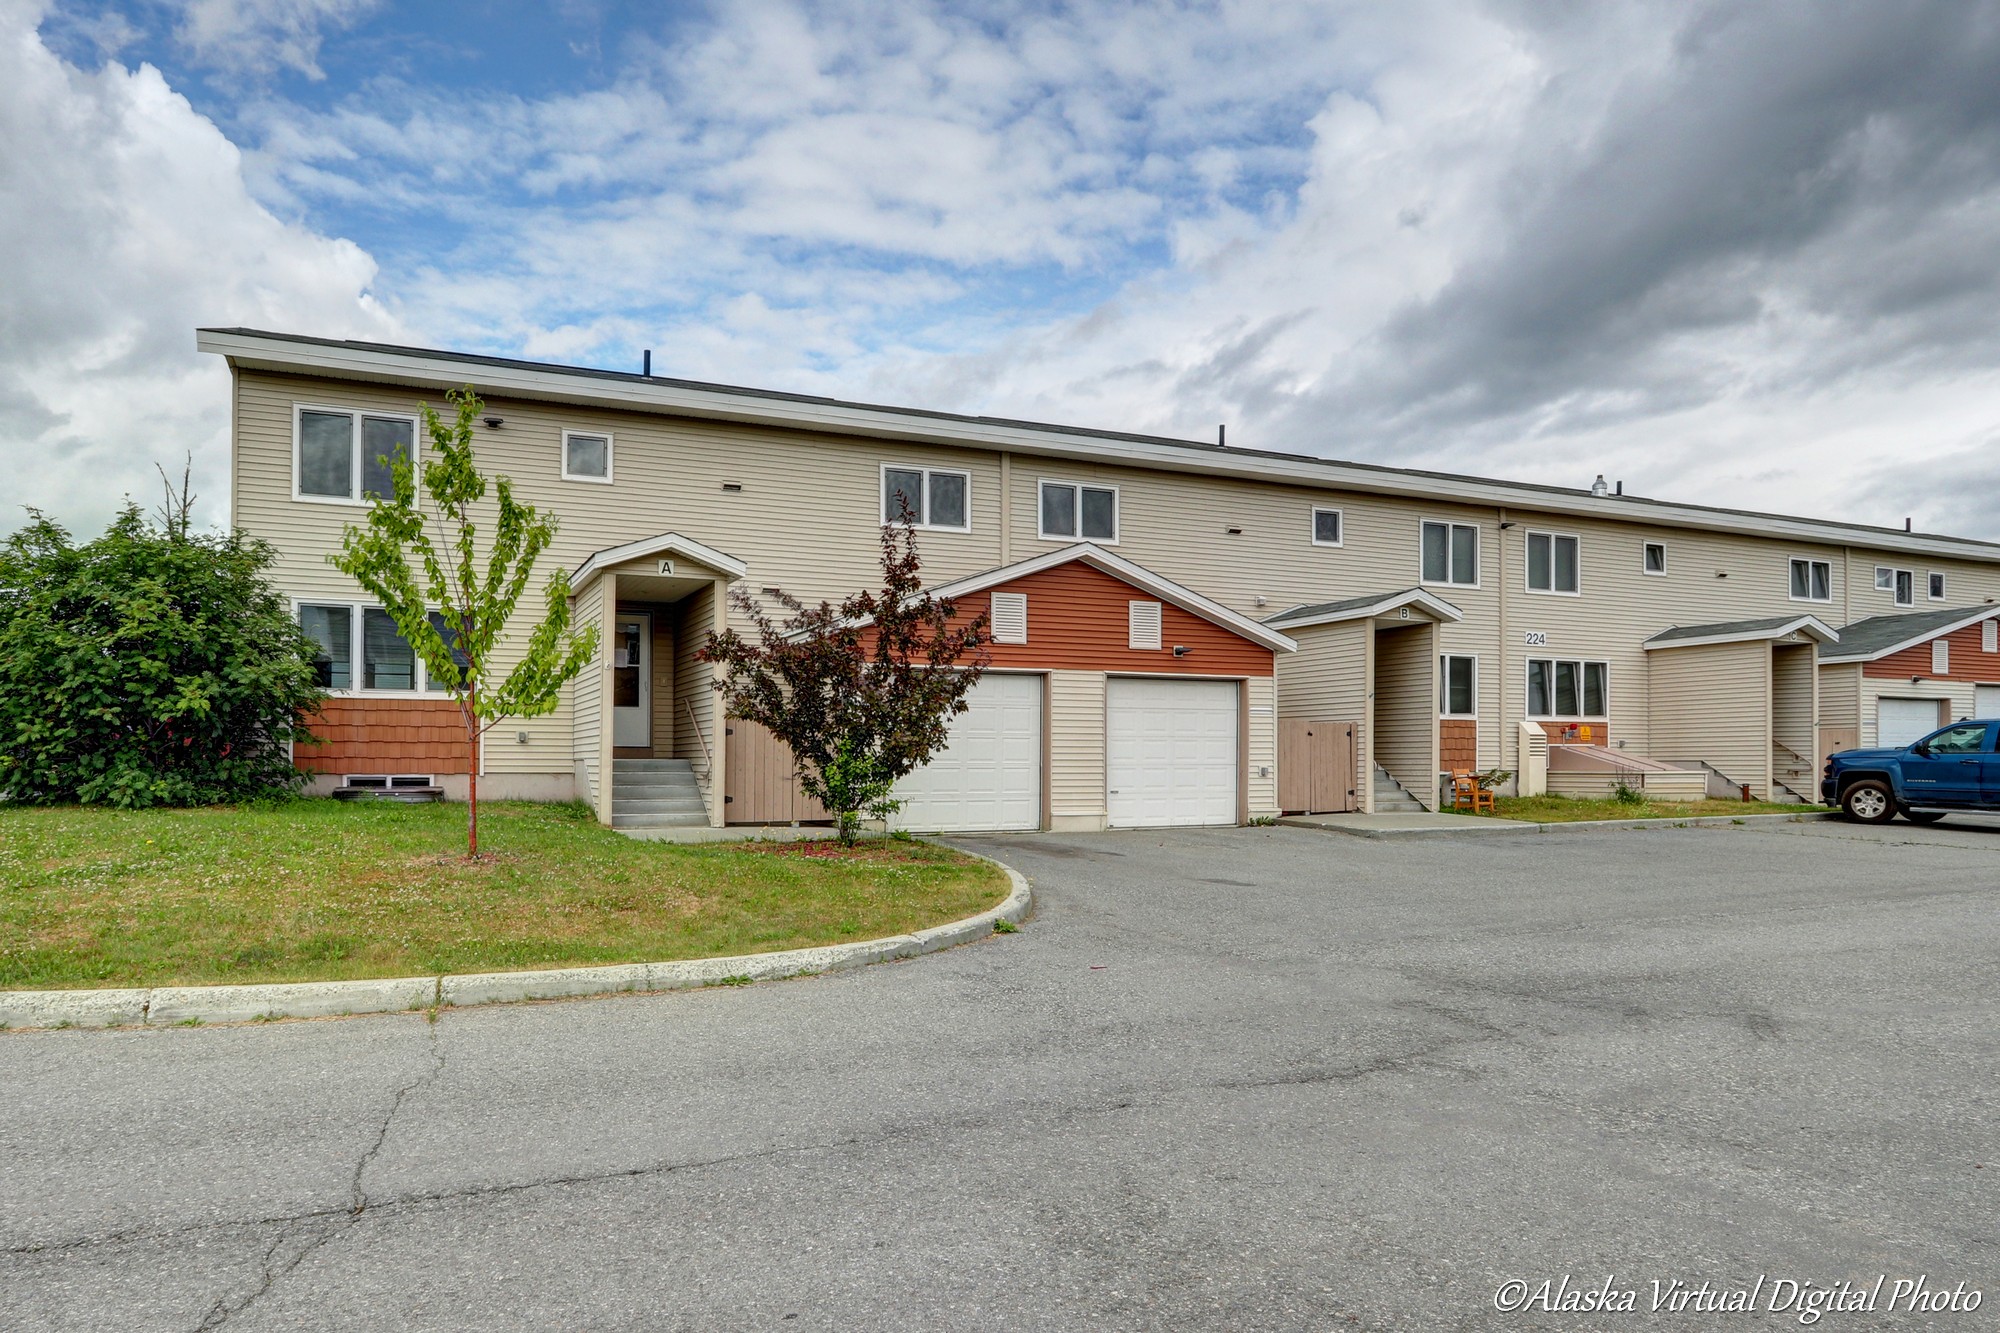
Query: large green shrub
[[152, 666]]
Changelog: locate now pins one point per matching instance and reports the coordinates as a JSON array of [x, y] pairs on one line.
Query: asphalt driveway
[[1242, 1079]]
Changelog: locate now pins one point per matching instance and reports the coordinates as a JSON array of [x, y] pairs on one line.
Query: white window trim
[[1808, 561], [882, 495], [1117, 511], [1942, 594], [1661, 572], [1527, 690], [1444, 694], [1527, 556], [1896, 600], [1479, 553], [354, 414], [356, 648], [610, 455], [1885, 579], [1325, 509]]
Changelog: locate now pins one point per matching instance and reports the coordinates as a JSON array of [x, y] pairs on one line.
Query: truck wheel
[[1923, 816], [1868, 802]]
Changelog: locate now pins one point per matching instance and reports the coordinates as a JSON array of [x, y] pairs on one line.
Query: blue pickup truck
[[1953, 768]]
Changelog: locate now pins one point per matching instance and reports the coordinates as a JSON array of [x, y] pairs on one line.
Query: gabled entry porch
[[647, 725]]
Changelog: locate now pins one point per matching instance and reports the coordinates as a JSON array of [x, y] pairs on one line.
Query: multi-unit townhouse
[[1184, 632]]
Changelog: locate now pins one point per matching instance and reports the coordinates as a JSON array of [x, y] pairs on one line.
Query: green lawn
[[1567, 809], [316, 890]]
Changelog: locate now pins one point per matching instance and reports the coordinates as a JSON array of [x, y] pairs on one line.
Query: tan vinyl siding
[[1794, 706], [693, 690], [1262, 779], [1326, 680], [1076, 749], [1840, 695], [586, 693], [1712, 703], [666, 665], [1405, 713]]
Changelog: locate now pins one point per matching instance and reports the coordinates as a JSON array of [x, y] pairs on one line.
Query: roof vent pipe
[[646, 363], [1598, 488], [1222, 437], [1906, 525], [1620, 489]]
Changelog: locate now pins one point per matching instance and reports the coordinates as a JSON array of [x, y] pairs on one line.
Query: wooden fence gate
[[1316, 767], [763, 787]]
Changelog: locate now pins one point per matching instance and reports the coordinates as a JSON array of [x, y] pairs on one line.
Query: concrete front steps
[[1392, 797], [656, 793]]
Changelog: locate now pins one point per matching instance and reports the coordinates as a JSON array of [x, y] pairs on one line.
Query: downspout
[[1006, 507], [1500, 535]]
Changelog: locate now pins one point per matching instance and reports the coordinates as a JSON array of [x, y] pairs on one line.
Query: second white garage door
[[1900, 721], [989, 775], [1171, 752]]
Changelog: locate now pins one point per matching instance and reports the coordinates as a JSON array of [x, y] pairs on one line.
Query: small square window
[[1655, 559], [1326, 527], [586, 457], [1885, 578]]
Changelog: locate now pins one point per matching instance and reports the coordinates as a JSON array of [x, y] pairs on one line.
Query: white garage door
[[989, 775], [1171, 752], [1901, 721], [1986, 702]]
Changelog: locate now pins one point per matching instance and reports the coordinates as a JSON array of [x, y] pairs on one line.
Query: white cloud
[[264, 36], [124, 224]]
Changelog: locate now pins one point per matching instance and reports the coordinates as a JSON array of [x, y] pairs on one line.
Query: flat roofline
[[299, 354]]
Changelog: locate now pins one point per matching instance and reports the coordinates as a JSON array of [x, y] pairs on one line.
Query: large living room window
[[1069, 511], [1560, 690], [938, 498], [1451, 554], [346, 456], [386, 662]]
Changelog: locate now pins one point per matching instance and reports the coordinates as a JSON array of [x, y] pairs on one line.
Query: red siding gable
[[1968, 660]]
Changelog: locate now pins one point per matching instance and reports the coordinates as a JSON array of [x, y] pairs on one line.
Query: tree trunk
[[471, 779]]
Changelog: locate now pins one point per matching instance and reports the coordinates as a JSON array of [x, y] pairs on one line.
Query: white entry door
[[989, 775], [1986, 702], [1170, 752], [1898, 722], [632, 681]]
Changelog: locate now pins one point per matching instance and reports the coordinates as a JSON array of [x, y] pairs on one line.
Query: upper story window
[[1899, 582], [1812, 581], [938, 499], [1451, 554], [1936, 586], [586, 457], [1327, 529], [1069, 511], [1458, 686], [1552, 563], [346, 456], [1653, 558]]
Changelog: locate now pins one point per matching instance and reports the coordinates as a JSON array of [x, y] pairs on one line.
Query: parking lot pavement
[[1251, 1078]]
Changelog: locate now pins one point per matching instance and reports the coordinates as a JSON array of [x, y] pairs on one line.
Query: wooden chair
[[1467, 794]]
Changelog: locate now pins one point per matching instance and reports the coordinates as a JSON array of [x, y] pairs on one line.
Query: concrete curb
[[170, 1006], [1486, 827]]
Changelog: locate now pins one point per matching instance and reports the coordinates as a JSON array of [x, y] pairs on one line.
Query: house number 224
[[1537, 638]]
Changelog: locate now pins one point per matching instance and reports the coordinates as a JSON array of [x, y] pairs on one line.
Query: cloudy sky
[[1738, 253]]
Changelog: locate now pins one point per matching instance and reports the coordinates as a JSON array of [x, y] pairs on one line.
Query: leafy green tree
[[863, 692], [152, 666], [454, 605]]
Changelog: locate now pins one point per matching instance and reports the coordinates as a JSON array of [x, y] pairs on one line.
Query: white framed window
[[1885, 578], [1450, 554], [586, 455], [940, 499], [1010, 617], [1812, 581], [1899, 583], [1552, 561], [1653, 558], [343, 456], [363, 652], [1940, 657], [1068, 511], [1564, 690], [1936, 581], [1458, 685], [1142, 625], [1328, 528]]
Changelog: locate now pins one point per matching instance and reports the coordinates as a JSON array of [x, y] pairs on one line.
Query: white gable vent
[[1989, 636], [1940, 656], [1143, 624], [1010, 617]]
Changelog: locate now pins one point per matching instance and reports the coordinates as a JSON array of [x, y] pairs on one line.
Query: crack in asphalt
[[320, 1226]]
